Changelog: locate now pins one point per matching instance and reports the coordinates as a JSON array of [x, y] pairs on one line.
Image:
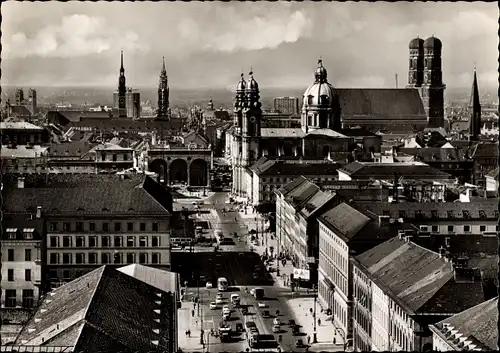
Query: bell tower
[[416, 67], [252, 117], [122, 89], [475, 106], [163, 94], [237, 143]]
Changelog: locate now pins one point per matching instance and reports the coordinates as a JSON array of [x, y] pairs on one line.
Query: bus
[[222, 284]]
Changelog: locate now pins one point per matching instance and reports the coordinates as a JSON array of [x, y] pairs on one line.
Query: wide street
[[238, 264]]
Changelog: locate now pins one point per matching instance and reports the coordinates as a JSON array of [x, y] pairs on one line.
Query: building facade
[[286, 105]]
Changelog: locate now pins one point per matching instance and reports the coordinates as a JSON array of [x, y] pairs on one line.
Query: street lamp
[[342, 333], [315, 335]]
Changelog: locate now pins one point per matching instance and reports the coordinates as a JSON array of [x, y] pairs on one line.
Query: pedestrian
[[308, 339], [319, 322], [334, 340]]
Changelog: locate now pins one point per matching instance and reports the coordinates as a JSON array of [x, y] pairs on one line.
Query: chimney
[[20, 183], [384, 221], [38, 212]]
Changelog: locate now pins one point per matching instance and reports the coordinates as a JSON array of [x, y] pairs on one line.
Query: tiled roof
[[281, 132], [23, 151], [493, 174], [357, 132], [285, 189], [485, 149], [481, 209], [301, 193], [412, 274], [326, 132], [478, 323], [345, 220], [318, 200], [165, 280], [21, 222], [414, 170], [284, 168], [116, 312], [73, 148], [437, 154], [111, 147], [21, 125], [20, 110], [383, 104], [76, 115]]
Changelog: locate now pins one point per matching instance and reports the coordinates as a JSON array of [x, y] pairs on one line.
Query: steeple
[[122, 111], [163, 93], [121, 67], [475, 105]]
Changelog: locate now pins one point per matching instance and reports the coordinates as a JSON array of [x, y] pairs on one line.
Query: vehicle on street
[[252, 292], [291, 323], [213, 305], [235, 299], [209, 285], [276, 328], [224, 331], [276, 321], [239, 327], [218, 295], [219, 300], [226, 309], [226, 316], [295, 331], [299, 343], [244, 310], [258, 293], [222, 284], [262, 305], [266, 314]]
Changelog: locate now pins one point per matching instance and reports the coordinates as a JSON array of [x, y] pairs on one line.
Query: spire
[[163, 68], [121, 60], [475, 104]]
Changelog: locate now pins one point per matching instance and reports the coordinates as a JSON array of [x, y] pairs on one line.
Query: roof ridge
[[91, 299]]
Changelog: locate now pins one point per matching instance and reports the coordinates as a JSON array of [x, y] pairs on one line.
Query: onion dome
[[252, 84], [433, 43], [416, 43], [241, 84], [320, 74]]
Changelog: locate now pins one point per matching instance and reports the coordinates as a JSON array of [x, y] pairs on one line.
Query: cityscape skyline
[[39, 54]]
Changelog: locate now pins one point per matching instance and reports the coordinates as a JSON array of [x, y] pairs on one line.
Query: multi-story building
[[298, 205], [492, 180], [22, 133], [111, 157], [22, 258], [97, 220], [400, 289], [286, 105]]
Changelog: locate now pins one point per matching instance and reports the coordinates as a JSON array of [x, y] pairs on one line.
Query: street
[[244, 270]]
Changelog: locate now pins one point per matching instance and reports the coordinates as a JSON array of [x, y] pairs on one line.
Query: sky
[[207, 45]]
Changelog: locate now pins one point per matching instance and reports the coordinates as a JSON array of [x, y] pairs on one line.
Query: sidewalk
[[188, 344]]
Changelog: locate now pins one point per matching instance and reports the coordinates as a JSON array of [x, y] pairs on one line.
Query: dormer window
[[324, 99], [310, 99], [28, 233], [11, 233]]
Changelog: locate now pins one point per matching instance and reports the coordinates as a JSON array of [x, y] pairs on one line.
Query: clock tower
[[251, 123], [122, 110]]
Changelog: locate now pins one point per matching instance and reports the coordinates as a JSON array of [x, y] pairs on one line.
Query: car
[[262, 305], [299, 343], [266, 314], [295, 331], [276, 328], [276, 321], [252, 292], [244, 310], [226, 309], [291, 323], [213, 305], [219, 300], [219, 295], [209, 285]]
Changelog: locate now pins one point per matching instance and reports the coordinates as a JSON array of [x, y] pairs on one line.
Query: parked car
[[213, 305], [266, 314], [299, 343], [209, 285], [295, 331], [262, 305], [276, 329], [291, 323], [276, 321]]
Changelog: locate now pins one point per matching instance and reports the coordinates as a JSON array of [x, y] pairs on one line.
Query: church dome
[[241, 84], [416, 43], [320, 93], [320, 75], [252, 84], [433, 43]]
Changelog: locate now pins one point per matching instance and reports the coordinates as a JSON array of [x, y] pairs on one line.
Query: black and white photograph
[[243, 176]]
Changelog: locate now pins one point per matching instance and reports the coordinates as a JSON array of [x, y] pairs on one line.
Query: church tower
[[163, 94], [236, 144], [432, 89], [122, 89], [416, 70], [475, 105], [251, 123]]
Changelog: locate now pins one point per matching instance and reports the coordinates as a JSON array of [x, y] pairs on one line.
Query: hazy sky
[[208, 44]]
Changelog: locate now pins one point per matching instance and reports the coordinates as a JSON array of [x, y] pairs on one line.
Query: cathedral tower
[[475, 105], [416, 70], [236, 144], [432, 89], [252, 117], [163, 94], [122, 110]]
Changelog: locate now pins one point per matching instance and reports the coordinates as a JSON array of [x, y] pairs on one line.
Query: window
[[66, 274], [118, 241], [125, 157], [10, 275], [482, 228], [54, 259], [105, 258], [467, 229], [424, 228], [155, 258], [92, 226], [66, 242], [67, 258], [114, 158], [118, 226], [435, 229], [155, 226], [80, 242], [67, 227], [130, 241], [79, 226], [434, 214], [105, 227], [27, 275], [28, 298], [53, 226], [143, 242], [117, 258], [54, 242], [451, 228], [80, 258], [10, 298], [27, 254], [130, 258], [10, 255], [143, 258], [92, 258], [92, 242], [106, 243], [103, 157], [143, 227], [155, 241], [130, 226]]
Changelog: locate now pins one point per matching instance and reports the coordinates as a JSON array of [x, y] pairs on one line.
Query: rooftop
[[23, 151], [345, 220], [164, 280], [19, 125], [281, 132], [271, 167], [326, 132], [413, 170]]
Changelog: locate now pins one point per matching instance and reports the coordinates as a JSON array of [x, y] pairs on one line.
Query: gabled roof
[[477, 324], [344, 220], [326, 132], [287, 188], [493, 174], [408, 273], [20, 223], [316, 202], [301, 193], [438, 154], [20, 110], [110, 147], [18, 125], [102, 308], [289, 168], [165, 280], [485, 149]]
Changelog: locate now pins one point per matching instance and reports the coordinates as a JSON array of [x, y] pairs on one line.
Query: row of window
[[11, 298], [115, 157], [106, 241], [105, 227], [10, 275], [451, 228], [11, 255], [105, 258]]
